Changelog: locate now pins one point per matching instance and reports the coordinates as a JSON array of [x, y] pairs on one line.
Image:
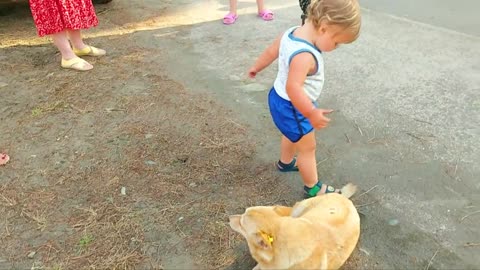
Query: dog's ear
[[283, 211], [264, 245], [264, 240], [235, 224]]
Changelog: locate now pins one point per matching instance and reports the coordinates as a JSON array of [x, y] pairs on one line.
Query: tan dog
[[317, 233]]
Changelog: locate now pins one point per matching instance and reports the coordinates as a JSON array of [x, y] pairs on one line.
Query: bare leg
[[76, 39], [307, 163], [287, 150], [267, 15], [69, 59], [231, 16], [233, 6], [80, 48], [260, 5], [61, 41]]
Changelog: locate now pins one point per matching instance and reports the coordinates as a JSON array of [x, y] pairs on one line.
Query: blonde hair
[[344, 13]]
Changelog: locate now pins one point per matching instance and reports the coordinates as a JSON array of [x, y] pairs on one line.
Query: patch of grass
[[110, 237], [37, 112], [57, 267], [85, 241]]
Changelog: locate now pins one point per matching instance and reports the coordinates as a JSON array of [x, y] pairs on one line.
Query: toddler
[[232, 16], [299, 81]]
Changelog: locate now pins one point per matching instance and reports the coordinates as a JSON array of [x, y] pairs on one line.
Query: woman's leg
[[69, 58], [80, 48], [61, 41], [75, 37]]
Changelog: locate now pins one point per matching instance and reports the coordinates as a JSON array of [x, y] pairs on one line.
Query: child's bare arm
[[300, 66], [266, 58]]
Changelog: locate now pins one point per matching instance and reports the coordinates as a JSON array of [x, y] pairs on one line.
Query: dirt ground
[[77, 139], [126, 167]]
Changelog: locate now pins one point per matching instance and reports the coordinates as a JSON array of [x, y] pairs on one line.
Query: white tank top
[[289, 47]]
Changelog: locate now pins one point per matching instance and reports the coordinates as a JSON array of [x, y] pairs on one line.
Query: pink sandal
[[266, 15], [4, 158], [230, 18]]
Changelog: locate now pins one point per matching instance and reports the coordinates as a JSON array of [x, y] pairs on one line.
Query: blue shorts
[[291, 123]]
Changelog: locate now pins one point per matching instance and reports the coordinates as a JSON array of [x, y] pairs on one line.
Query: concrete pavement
[[407, 106], [406, 96]]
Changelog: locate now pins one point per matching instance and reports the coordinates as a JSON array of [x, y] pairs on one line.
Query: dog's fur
[[317, 233]]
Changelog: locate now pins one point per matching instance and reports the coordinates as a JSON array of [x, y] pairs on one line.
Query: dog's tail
[[348, 190]]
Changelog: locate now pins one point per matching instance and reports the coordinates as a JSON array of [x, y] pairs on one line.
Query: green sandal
[[315, 190]]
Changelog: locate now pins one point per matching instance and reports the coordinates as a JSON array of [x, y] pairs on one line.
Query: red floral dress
[[53, 16]]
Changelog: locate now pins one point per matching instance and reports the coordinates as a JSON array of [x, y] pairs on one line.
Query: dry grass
[[184, 161], [112, 238], [180, 157]]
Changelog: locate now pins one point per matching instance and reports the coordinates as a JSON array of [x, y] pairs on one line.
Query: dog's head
[[257, 225]]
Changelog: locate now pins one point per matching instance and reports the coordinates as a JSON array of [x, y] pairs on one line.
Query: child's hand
[[252, 72], [318, 119]]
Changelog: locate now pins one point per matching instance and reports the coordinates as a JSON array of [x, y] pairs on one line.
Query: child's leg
[[287, 162], [233, 6], [307, 163], [267, 15], [260, 5], [287, 150], [231, 16]]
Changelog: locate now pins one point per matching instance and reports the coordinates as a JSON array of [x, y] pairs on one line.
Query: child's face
[[331, 36]]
